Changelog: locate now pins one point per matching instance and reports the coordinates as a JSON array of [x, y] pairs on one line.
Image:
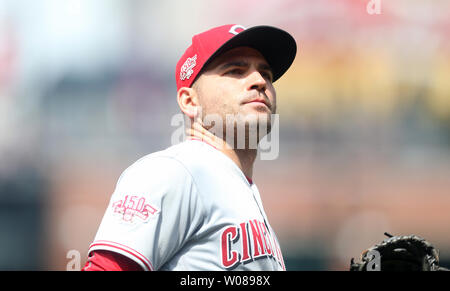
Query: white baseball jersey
[[189, 208]]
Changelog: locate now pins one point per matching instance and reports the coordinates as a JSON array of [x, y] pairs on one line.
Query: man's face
[[238, 83]]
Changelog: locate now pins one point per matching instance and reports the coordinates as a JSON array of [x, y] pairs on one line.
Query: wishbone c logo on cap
[[234, 31]]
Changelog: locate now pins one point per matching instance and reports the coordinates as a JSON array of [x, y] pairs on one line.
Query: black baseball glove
[[399, 253]]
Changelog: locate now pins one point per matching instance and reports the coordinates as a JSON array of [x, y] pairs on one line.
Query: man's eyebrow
[[265, 67], [233, 64]]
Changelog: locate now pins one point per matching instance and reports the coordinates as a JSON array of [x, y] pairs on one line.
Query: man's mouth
[[259, 101]]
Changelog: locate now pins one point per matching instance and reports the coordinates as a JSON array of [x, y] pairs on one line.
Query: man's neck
[[243, 158]]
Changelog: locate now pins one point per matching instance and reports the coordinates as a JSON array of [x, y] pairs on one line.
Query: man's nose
[[257, 81]]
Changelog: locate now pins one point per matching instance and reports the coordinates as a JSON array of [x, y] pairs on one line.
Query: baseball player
[[194, 205]]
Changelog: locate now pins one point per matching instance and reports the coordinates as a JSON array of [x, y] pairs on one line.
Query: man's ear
[[188, 101]]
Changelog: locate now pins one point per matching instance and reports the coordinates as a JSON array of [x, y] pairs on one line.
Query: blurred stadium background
[[87, 88]]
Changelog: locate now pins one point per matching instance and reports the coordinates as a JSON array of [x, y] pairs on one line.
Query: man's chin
[[256, 108], [258, 119]]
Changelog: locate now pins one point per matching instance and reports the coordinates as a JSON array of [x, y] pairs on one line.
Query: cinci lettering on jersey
[[250, 240]]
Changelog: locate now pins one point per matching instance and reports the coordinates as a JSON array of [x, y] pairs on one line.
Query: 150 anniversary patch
[[133, 208]]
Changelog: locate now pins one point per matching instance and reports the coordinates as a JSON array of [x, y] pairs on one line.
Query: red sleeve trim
[[109, 261], [122, 249]]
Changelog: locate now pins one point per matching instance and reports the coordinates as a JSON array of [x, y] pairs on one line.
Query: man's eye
[[234, 72]]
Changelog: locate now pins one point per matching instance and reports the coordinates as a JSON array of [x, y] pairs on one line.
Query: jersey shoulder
[[189, 162], [190, 155], [164, 167]]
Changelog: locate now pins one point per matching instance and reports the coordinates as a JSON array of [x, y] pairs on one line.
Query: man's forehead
[[239, 53]]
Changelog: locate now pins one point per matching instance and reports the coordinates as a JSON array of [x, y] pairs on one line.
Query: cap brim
[[277, 46]]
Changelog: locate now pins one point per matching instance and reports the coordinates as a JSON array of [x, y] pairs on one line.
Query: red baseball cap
[[276, 45]]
